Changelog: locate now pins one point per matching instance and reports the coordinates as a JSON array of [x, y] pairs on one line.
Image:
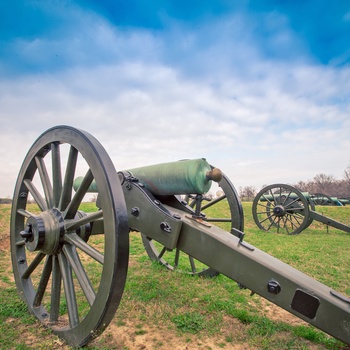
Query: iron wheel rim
[[281, 208]]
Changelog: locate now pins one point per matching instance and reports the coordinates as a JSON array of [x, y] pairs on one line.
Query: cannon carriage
[[70, 266]]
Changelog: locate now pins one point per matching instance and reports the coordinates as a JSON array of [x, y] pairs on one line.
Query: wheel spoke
[[193, 265], [295, 210], [66, 194], [68, 285], [79, 195], [56, 173], [286, 197], [267, 211], [273, 198], [215, 201], [268, 217], [290, 218], [268, 200], [74, 239], [44, 279], [40, 201], [25, 213], [74, 224], [273, 222], [56, 284], [45, 181], [33, 265], [161, 253], [284, 221], [83, 279], [176, 260], [192, 204], [291, 203], [265, 206]]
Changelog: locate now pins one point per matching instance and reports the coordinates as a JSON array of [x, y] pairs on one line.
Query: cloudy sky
[[260, 89]]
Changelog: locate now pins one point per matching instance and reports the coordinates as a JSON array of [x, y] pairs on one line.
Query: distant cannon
[[344, 201], [70, 265], [282, 208], [323, 199]]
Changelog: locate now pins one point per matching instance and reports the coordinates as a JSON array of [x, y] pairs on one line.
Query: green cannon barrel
[[336, 201], [289, 195], [192, 176], [344, 201]]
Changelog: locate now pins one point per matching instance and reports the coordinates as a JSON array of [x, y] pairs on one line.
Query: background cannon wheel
[[69, 266], [281, 209], [225, 211], [322, 199]]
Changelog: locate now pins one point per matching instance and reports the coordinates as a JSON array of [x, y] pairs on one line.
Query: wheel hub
[[279, 210], [44, 232]]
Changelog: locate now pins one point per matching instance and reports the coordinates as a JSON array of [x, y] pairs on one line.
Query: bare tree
[[346, 185], [347, 174], [324, 183], [247, 193], [303, 186]]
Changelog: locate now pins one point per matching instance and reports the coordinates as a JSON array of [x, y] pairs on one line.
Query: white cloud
[[261, 121], [147, 114]]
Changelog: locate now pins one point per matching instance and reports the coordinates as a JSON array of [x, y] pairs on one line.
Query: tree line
[[321, 183]]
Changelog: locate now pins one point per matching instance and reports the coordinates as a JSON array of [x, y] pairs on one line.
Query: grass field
[[166, 310]]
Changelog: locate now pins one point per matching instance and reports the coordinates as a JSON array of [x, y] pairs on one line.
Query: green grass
[[172, 308], [320, 252]]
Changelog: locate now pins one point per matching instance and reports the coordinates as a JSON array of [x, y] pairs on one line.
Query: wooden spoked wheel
[[69, 265], [281, 209], [322, 199], [225, 211]]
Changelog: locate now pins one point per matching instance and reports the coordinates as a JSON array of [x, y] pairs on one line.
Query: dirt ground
[[129, 336]]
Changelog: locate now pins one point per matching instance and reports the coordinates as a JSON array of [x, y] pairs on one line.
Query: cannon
[[194, 175], [70, 266], [344, 201], [281, 208], [323, 199]]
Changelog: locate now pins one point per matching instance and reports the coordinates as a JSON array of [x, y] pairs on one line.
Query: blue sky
[[259, 88]]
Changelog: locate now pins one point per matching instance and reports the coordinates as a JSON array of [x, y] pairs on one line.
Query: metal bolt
[[21, 260], [165, 227], [135, 211], [177, 216], [156, 202], [273, 287]]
